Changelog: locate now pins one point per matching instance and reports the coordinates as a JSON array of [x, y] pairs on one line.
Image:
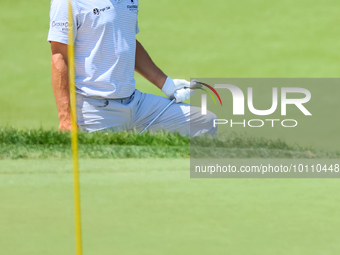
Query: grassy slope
[[186, 38], [42, 144], [137, 207]]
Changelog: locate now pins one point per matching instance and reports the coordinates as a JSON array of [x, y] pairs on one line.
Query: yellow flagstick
[[71, 71]]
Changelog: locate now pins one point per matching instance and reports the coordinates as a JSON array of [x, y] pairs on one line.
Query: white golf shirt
[[105, 44]]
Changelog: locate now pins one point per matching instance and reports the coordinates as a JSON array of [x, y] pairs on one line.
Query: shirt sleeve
[[59, 23]]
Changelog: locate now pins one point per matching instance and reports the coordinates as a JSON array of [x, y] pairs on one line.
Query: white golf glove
[[183, 94], [176, 89]]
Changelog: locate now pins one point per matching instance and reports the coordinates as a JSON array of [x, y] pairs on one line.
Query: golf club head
[[194, 84]]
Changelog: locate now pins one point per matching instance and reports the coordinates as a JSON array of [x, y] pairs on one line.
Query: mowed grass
[[153, 207]]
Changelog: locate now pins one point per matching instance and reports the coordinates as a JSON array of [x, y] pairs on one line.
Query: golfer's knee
[[204, 125]]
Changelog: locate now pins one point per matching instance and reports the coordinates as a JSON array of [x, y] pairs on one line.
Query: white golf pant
[[137, 111]]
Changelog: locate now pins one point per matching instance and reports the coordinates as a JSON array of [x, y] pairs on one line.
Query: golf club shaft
[[165, 108]]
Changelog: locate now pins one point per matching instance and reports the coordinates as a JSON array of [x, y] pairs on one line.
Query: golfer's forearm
[[60, 86], [147, 68]]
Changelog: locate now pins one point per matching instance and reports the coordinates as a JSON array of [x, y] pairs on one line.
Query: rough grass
[[11, 136], [14, 136], [39, 144]]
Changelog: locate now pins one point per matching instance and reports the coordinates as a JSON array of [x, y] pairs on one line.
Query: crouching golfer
[[106, 56]]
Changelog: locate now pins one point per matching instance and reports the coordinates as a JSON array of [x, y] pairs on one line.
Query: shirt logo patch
[[133, 7], [97, 11], [60, 24]]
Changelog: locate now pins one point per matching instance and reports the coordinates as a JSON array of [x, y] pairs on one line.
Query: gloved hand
[[171, 86], [183, 94]]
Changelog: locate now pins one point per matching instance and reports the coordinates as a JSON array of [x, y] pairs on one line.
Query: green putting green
[[151, 206]]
